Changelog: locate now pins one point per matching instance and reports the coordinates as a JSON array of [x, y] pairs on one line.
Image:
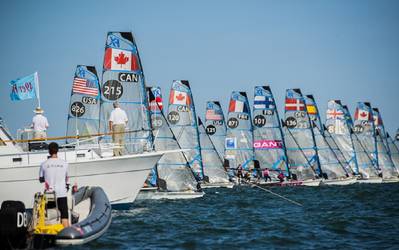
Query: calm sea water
[[361, 216]]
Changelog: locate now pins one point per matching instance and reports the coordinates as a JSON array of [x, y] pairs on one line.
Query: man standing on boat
[[117, 124], [39, 124], [54, 173]]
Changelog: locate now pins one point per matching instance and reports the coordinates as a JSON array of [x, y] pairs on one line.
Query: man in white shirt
[[54, 172], [117, 123], [39, 124]]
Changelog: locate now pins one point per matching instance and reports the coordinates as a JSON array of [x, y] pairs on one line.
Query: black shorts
[[62, 204]]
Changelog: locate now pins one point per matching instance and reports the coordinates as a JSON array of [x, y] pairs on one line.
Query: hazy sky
[[343, 49]]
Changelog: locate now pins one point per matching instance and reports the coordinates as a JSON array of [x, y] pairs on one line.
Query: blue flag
[[24, 88]]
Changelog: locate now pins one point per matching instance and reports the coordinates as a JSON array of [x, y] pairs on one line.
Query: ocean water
[[360, 216]]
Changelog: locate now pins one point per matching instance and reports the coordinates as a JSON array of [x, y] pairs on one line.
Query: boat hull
[[311, 183], [155, 194], [340, 182], [218, 185], [390, 180], [120, 177], [370, 180]]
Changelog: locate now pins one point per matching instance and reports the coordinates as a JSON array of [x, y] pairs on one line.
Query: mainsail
[[364, 140], [84, 106], [385, 162], [330, 165], [299, 137], [212, 163], [215, 126], [123, 81], [183, 122], [394, 151], [239, 141], [269, 144], [172, 172], [339, 128]]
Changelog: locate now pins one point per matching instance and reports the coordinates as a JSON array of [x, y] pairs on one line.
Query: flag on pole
[[24, 88]]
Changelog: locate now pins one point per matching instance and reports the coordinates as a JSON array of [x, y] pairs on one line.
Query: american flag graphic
[[211, 114], [84, 86]]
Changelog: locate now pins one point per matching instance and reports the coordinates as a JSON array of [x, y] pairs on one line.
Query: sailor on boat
[[54, 173], [117, 124], [39, 124]]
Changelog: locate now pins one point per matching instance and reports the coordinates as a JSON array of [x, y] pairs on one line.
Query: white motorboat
[[120, 177]]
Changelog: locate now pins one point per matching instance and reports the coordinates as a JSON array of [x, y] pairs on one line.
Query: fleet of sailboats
[[296, 150]]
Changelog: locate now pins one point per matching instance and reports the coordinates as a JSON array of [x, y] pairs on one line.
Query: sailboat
[[269, 144], [84, 112], [215, 126], [385, 163], [334, 169], [212, 163], [299, 140], [123, 81], [172, 177], [239, 141], [394, 151], [365, 143], [183, 122]]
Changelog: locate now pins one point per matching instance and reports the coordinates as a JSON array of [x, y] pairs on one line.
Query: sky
[[342, 49]]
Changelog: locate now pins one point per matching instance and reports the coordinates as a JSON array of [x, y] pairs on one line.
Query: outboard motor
[[13, 226]]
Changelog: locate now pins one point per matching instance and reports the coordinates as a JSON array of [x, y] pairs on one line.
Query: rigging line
[[273, 193]]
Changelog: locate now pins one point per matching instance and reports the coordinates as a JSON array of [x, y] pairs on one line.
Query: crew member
[[239, 173], [281, 176], [266, 174], [117, 123], [54, 172], [39, 124]]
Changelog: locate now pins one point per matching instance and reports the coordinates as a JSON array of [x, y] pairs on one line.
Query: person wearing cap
[[54, 173], [39, 124], [117, 123]]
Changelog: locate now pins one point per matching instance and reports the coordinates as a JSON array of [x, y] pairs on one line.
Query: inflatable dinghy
[[90, 217]]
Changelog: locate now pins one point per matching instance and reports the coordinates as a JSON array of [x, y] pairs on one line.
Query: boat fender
[[13, 226]]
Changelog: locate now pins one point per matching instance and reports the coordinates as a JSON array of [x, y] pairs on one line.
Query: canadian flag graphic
[[362, 115], [179, 98], [117, 59]]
